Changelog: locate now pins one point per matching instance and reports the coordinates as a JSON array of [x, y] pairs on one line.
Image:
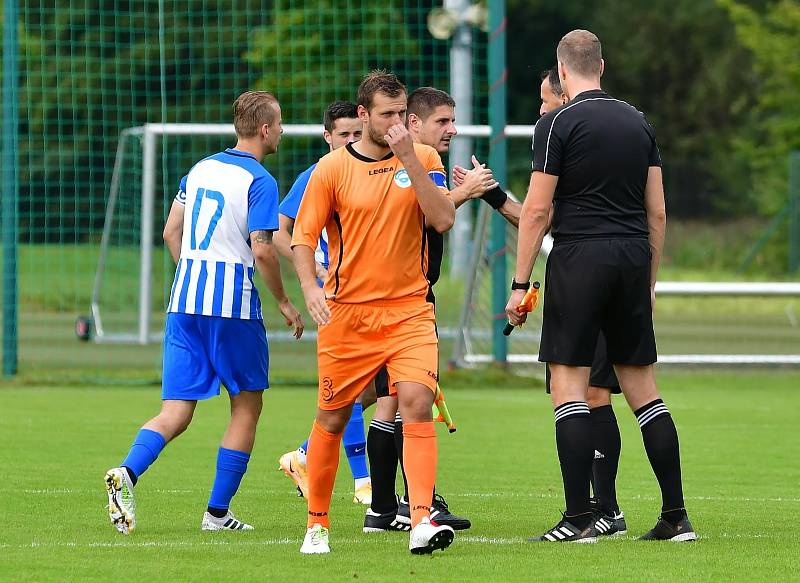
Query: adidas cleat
[[227, 522], [363, 495], [121, 503], [375, 522], [403, 511], [294, 468], [440, 514], [316, 541], [427, 537], [606, 525], [566, 532], [663, 530]]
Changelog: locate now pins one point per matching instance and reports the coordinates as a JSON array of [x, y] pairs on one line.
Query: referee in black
[[596, 162]]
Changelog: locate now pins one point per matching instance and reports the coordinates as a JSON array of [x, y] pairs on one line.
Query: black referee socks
[[661, 443], [383, 465], [575, 454], [607, 446]]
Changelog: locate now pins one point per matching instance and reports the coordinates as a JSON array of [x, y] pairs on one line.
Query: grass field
[[739, 446]]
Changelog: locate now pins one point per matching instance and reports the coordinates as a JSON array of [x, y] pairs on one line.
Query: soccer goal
[[134, 271], [703, 323]]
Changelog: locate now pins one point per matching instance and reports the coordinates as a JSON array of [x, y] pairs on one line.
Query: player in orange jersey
[[375, 198]]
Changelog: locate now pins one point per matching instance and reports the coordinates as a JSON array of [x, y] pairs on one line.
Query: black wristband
[[495, 197], [526, 285]]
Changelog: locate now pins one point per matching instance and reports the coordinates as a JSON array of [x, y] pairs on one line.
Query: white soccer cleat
[[316, 541], [227, 522], [295, 468], [427, 537], [121, 503], [363, 495]]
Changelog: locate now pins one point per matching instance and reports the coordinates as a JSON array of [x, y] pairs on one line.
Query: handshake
[[474, 181]]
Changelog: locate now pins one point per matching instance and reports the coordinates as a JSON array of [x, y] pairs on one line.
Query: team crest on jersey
[[402, 179]]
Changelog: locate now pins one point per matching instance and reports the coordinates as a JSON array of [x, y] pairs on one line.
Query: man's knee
[[415, 401], [334, 421], [598, 397]]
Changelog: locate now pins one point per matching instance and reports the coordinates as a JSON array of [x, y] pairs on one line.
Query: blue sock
[[144, 451], [304, 447], [231, 466], [355, 444]]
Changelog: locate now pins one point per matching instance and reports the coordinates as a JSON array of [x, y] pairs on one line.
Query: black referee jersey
[[601, 149]]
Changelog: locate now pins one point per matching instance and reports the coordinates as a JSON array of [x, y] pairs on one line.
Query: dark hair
[[580, 51], [555, 82], [378, 81], [422, 101], [251, 110], [338, 110]]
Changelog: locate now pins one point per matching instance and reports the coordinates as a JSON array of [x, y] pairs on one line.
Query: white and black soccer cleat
[[403, 511], [610, 525], [121, 503], [566, 532], [663, 530], [227, 522], [375, 522], [427, 537]]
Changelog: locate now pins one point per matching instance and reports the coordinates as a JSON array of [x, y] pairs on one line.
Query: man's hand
[[316, 303], [400, 141], [653, 299], [475, 181], [511, 307], [322, 273], [293, 318]]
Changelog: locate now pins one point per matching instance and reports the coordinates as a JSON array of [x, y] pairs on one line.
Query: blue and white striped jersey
[[291, 205], [226, 197]]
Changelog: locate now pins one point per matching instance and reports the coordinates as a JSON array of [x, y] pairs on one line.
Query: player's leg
[[355, 448], [239, 352], [187, 377], [632, 349], [607, 445], [383, 512]]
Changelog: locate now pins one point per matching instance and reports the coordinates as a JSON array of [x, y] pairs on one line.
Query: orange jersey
[[376, 230]]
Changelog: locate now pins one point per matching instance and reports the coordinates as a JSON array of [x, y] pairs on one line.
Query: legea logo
[[401, 178]]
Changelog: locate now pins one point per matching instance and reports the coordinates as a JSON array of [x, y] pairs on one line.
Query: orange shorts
[[362, 338]]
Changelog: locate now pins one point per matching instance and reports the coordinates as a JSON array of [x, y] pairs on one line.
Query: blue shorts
[[202, 351]]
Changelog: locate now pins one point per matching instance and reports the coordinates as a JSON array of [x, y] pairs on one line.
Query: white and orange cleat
[[295, 467]]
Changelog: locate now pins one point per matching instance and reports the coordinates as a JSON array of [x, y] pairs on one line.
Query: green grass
[[738, 441]]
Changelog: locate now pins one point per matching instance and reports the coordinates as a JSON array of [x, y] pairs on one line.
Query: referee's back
[[601, 149]]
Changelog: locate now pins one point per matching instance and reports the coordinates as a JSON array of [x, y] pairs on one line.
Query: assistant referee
[[595, 160]]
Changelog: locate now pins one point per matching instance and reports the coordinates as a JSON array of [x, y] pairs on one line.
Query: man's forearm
[[283, 243], [174, 246], [270, 269], [511, 211], [438, 209], [532, 229], [657, 226], [304, 264]]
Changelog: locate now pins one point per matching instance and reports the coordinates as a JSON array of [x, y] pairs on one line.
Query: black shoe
[[440, 514], [374, 522], [566, 532], [403, 511], [615, 518], [663, 530]]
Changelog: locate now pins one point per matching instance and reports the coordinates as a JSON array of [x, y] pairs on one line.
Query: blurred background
[[719, 80]]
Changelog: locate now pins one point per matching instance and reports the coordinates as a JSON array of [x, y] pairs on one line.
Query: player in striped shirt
[[342, 127], [214, 332]]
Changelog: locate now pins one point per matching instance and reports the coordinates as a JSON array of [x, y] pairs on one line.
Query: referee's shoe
[[665, 530], [566, 532]]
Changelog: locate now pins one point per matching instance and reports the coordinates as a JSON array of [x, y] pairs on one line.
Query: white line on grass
[[637, 497]]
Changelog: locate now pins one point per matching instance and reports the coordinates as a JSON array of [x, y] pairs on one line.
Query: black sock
[[661, 443], [382, 465], [605, 435], [217, 512], [398, 442], [134, 478], [576, 453]]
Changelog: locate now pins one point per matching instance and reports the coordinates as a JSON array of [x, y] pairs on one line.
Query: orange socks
[[322, 463], [419, 458]]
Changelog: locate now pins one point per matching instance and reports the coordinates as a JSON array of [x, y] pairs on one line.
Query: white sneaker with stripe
[[566, 532], [227, 522]]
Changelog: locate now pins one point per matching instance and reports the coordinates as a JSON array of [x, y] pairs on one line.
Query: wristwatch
[[520, 285]]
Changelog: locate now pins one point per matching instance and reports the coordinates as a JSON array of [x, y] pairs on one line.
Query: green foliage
[[312, 53], [773, 38]]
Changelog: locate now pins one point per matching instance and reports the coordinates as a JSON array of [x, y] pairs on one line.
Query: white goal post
[[147, 137]]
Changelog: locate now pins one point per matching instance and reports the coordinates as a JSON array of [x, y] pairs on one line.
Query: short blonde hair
[[580, 51], [251, 110]]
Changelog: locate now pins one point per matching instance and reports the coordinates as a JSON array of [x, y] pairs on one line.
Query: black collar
[[363, 158]]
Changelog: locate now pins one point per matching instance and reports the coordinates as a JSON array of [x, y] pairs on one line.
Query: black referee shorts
[[598, 285], [602, 374]]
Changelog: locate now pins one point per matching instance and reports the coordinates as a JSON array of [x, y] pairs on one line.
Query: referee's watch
[[520, 285]]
